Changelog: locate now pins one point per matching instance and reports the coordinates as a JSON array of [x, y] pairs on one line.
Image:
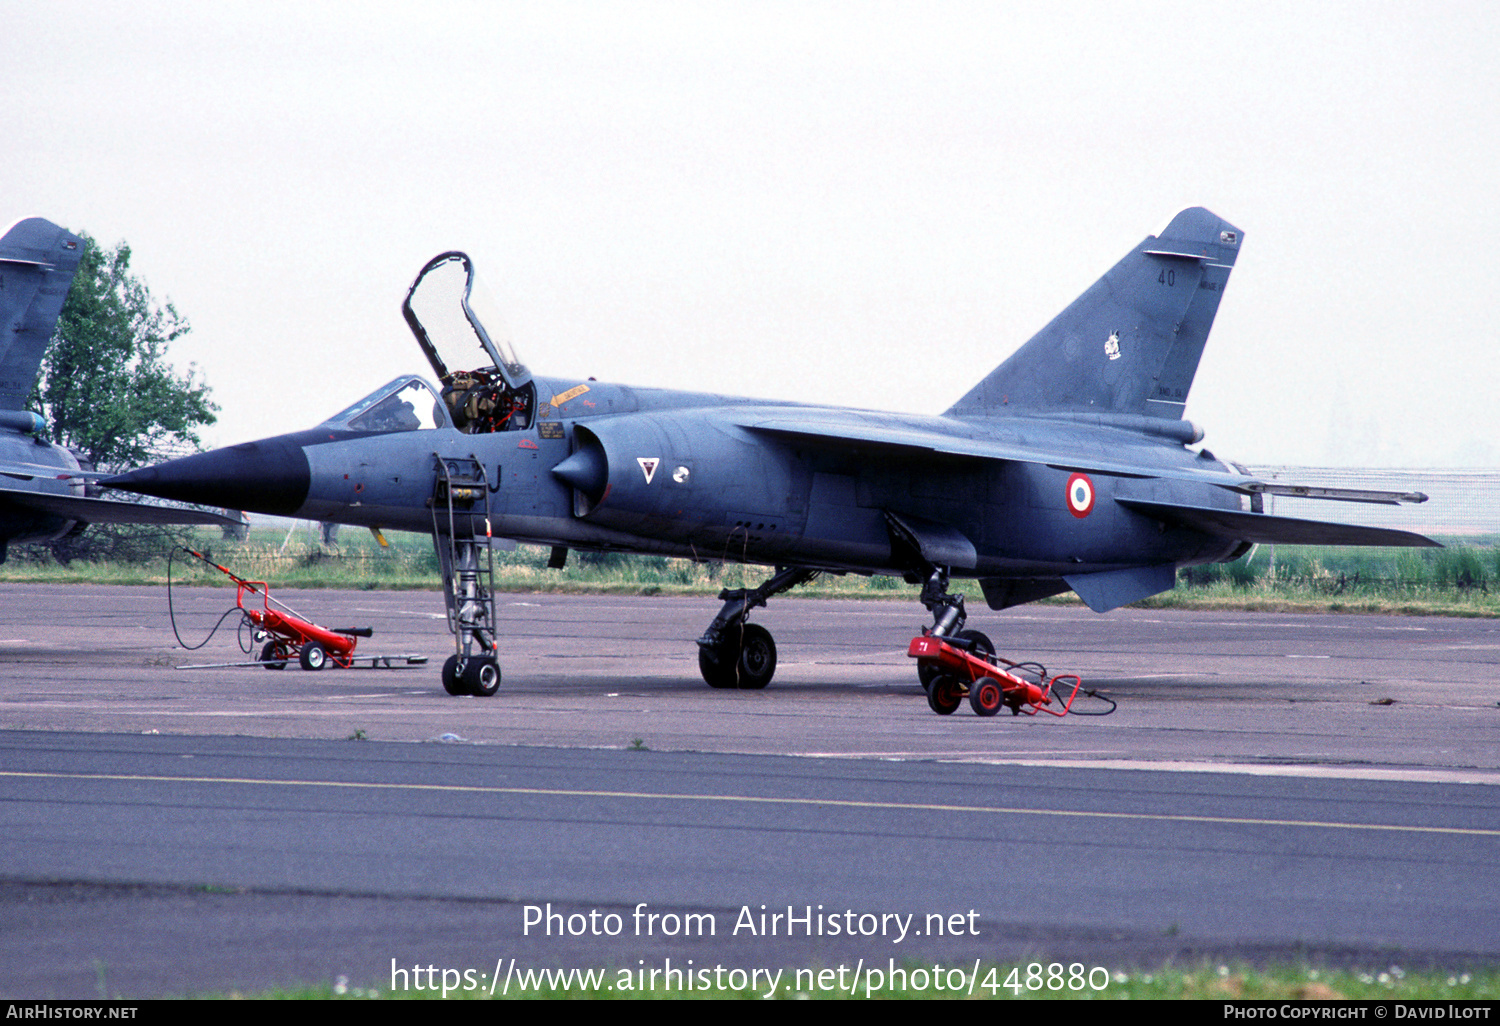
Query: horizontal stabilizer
[[110, 511], [1263, 529]]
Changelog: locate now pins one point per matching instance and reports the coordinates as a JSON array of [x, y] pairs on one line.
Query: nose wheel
[[479, 676]]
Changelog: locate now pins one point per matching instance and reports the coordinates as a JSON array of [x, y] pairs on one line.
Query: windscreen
[[406, 404]]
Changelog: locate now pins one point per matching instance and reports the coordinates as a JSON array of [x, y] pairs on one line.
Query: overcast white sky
[[866, 204]]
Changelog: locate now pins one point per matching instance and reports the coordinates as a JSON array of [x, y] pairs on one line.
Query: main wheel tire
[[483, 676], [452, 682], [979, 643], [986, 697], [944, 694], [273, 656], [717, 666], [756, 664], [927, 673], [314, 656], [746, 658]]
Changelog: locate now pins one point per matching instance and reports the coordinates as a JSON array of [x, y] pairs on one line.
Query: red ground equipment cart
[[990, 681], [287, 635]]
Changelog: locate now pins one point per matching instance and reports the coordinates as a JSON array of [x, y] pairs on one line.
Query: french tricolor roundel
[[1080, 495]]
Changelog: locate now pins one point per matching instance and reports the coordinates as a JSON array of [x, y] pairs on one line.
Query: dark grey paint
[[1066, 466]]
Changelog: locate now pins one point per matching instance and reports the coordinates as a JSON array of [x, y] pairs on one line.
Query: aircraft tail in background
[[37, 263]]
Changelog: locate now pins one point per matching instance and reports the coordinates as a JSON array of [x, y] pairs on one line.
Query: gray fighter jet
[[1067, 467], [44, 491]]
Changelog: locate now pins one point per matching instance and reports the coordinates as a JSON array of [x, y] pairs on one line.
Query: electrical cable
[[172, 613]]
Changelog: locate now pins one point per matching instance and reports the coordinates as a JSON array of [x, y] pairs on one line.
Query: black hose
[[1073, 710], [172, 614]]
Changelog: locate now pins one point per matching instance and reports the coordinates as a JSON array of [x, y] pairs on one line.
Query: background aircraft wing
[[37, 262], [108, 511]]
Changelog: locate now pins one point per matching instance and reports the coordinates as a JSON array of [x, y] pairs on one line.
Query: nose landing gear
[[468, 580]]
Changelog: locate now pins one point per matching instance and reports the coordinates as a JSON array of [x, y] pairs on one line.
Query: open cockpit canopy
[[440, 308], [485, 387]]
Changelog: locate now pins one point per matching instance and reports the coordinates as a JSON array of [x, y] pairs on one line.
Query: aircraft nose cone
[[268, 476]]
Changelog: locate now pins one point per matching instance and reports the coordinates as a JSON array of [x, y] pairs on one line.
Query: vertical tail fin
[[37, 263], [1129, 345]]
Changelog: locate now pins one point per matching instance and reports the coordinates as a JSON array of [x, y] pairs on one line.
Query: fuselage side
[[687, 474]]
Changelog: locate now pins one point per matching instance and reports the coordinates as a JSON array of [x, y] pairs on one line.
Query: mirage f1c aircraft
[[1067, 467], [44, 494]]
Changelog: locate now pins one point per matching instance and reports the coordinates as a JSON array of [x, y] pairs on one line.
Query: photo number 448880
[[1054, 976]]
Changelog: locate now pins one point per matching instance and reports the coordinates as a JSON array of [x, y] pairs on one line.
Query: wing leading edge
[[917, 441]]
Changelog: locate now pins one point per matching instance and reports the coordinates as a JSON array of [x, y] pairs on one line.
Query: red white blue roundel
[[1080, 495]]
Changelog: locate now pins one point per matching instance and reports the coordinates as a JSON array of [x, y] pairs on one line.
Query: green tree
[[106, 388]]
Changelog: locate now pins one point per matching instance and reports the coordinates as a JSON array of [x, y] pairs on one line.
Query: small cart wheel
[[314, 656], [944, 694], [273, 656], [986, 697]]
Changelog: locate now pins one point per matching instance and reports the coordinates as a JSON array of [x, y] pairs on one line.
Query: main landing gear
[[735, 654], [948, 618], [468, 580]]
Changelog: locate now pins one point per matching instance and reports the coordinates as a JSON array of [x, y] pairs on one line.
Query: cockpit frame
[[485, 386], [406, 403], [448, 346]]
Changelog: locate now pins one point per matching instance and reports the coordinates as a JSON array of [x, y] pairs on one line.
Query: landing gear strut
[[468, 580], [735, 654], [947, 609], [948, 618]]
